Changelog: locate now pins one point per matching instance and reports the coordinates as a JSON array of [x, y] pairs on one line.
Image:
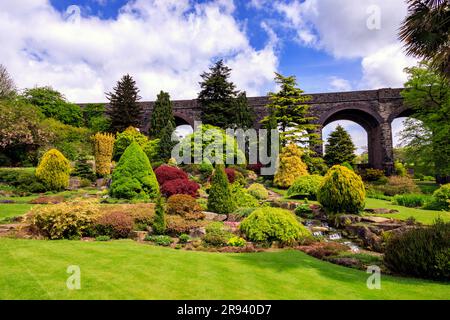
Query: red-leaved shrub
[[231, 174], [255, 167], [115, 224], [167, 173], [180, 186]]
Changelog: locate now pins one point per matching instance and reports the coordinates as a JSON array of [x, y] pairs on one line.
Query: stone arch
[[182, 119], [371, 122]]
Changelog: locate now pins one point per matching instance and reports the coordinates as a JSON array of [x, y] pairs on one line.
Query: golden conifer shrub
[[54, 170], [290, 166], [342, 191], [103, 152]]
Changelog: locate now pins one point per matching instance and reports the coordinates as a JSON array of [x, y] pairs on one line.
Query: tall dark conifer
[[166, 144], [124, 109], [222, 105], [162, 114], [339, 148]]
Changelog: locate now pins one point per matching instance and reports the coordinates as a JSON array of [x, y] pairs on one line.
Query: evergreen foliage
[[166, 143], [273, 224], [54, 170], [288, 109], [306, 186], [290, 166], [133, 177], [339, 148], [220, 199], [223, 105], [159, 224], [342, 191], [103, 152], [162, 115], [124, 110]]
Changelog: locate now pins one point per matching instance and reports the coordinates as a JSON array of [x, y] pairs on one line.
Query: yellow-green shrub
[[290, 166], [54, 170], [258, 191], [65, 220], [103, 152], [342, 191], [273, 224]]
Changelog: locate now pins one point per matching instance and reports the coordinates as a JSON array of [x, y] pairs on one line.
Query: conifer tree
[[339, 148], [220, 198], [159, 224], [222, 105], [161, 115], [166, 144], [243, 115], [124, 110], [288, 109]]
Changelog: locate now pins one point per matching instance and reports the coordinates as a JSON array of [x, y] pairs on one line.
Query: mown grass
[[13, 210], [421, 215], [33, 269]]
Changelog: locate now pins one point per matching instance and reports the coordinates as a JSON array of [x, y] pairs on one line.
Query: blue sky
[[82, 47]]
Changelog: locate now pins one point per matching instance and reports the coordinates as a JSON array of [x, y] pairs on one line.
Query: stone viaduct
[[374, 110]]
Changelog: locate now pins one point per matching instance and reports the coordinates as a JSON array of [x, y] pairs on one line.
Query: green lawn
[[33, 269], [424, 216], [13, 210]]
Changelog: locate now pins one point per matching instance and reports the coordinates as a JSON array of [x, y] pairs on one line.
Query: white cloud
[[164, 44], [345, 30], [339, 84], [385, 67]]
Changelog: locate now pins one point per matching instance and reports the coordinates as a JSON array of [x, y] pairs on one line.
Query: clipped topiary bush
[[273, 224], [220, 199], [342, 191], [305, 186], [258, 191], [185, 206], [54, 170], [133, 177], [103, 152], [166, 173], [180, 186], [290, 167], [422, 252]]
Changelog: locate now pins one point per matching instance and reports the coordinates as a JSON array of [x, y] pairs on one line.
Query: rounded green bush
[[342, 191], [54, 170], [273, 224], [258, 191], [133, 178], [442, 195], [306, 186]]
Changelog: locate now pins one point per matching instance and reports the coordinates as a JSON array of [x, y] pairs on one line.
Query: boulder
[[138, 235], [211, 216], [375, 219], [380, 211], [197, 232], [370, 239]]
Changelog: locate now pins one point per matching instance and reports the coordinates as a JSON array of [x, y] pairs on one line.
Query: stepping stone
[[375, 219]]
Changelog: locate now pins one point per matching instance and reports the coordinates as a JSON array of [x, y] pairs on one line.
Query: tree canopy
[[428, 93]]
